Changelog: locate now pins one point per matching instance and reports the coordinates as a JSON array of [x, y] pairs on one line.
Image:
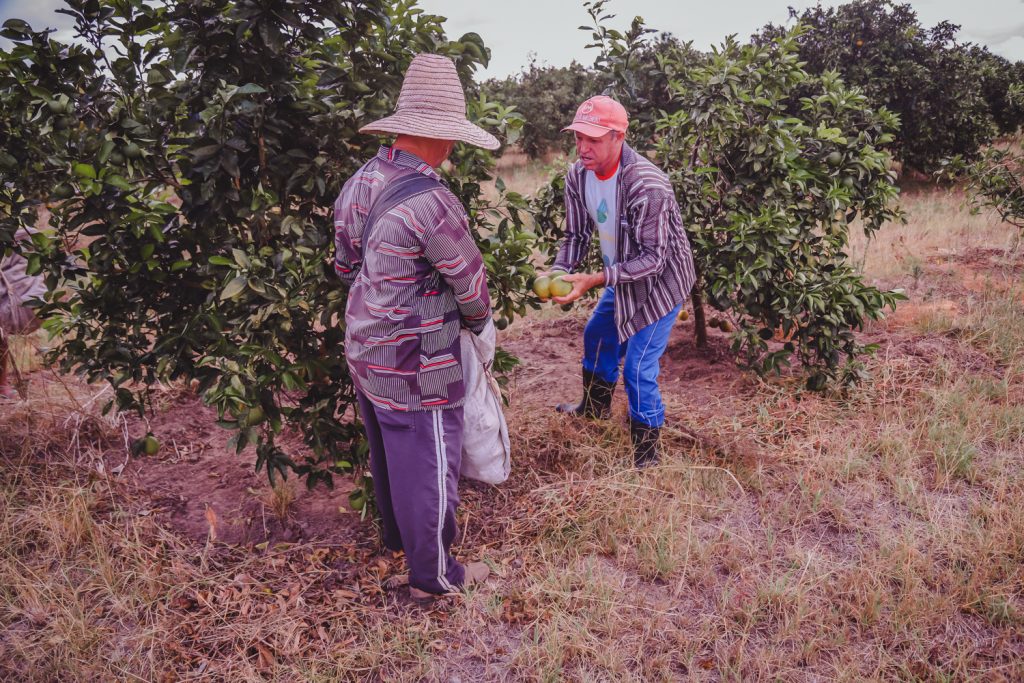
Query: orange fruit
[[560, 287], [542, 287]]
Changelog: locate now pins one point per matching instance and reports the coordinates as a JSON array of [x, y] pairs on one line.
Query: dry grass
[[940, 224], [874, 536]]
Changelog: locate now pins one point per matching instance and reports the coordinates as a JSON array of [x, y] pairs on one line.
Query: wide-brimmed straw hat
[[432, 105]]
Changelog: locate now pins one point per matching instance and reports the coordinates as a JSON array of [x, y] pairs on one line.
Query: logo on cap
[[587, 107]]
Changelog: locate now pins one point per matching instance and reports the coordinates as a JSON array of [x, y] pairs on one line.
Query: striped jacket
[[654, 270], [415, 282]]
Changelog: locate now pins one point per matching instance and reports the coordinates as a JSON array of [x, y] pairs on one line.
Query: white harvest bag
[[486, 451]]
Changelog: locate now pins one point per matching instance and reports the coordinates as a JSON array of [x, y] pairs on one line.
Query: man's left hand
[[581, 282]]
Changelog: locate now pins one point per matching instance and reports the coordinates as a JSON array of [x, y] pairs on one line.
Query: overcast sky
[[515, 29]]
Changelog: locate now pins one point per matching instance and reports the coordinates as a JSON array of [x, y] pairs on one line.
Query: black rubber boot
[[597, 399], [645, 444]]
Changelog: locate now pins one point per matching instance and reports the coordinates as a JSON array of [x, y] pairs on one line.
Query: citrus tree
[[772, 166], [933, 83], [191, 151]]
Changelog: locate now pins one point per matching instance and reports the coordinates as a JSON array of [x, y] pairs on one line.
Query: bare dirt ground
[[875, 535]]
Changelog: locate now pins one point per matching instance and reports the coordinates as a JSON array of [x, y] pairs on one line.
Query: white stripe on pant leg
[[442, 498], [440, 504]]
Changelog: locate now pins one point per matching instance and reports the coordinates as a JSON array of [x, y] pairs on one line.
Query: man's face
[[599, 154]]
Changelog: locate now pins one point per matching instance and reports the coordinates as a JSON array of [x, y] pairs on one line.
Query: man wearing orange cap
[[648, 269]]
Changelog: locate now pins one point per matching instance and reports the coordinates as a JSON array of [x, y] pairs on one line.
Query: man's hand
[[581, 282]]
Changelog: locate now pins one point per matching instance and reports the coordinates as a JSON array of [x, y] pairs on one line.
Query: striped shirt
[[418, 279], [654, 270]]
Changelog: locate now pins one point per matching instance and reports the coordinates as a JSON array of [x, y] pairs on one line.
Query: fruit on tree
[[684, 315], [62, 191], [253, 416], [834, 159]]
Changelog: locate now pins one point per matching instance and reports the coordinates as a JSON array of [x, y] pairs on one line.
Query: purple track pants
[[414, 459]]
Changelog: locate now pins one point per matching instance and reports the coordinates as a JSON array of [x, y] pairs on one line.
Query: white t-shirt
[[602, 199]]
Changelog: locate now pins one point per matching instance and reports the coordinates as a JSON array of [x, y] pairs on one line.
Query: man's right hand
[[581, 283]]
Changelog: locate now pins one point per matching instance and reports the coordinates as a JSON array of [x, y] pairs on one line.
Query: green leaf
[[250, 89], [117, 181], [83, 170], [240, 258], [233, 288]]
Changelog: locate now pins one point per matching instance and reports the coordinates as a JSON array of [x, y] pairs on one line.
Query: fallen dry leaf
[[342, 594], [211, 520], [267, 658]]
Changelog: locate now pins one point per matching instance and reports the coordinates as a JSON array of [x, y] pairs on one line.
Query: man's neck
[[421, 148], [607, 172]]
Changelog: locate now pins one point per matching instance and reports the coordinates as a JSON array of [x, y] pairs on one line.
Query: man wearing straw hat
[[648, 272], [17, 287], [416, 277]]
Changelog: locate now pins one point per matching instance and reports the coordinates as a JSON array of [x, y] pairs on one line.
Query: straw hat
[[432, 105]]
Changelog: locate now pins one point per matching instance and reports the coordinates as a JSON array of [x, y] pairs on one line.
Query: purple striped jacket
[[654, 270], [415, 282]]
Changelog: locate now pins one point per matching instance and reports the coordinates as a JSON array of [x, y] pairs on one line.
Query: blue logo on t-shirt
[[602, 211]]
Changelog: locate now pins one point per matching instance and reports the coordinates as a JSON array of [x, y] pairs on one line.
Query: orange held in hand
[[542, 287], [560, 287]]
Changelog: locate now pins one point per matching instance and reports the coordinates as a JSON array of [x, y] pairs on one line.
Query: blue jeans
[[602, 355]]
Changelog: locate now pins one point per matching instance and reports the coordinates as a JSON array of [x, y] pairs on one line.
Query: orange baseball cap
[[598, 115]]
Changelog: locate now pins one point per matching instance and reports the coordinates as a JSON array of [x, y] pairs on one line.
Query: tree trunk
[[700, 329]]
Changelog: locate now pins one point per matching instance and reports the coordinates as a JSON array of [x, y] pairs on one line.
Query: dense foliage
[[192, 150], [950, 97]]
